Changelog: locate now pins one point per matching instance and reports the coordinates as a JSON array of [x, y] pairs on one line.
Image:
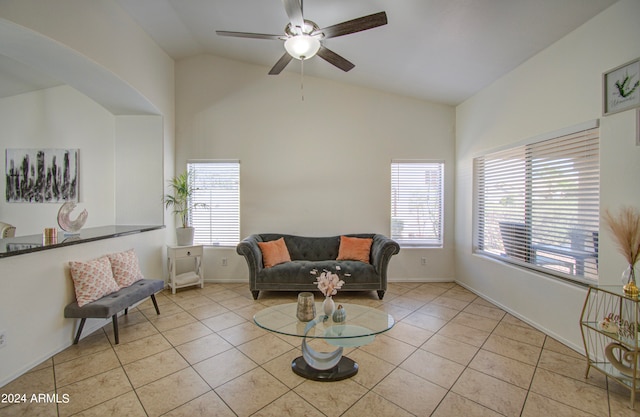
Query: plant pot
[[184, 236]]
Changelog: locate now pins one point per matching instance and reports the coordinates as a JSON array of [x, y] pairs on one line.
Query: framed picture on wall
[[622, 88], [638, 127], [41, 175]]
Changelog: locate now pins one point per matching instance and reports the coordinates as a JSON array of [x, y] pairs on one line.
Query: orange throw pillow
[[354, 249], [274, 252]]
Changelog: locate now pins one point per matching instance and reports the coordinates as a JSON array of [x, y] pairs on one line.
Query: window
[[537, 205], [416, 202], [215, 202]]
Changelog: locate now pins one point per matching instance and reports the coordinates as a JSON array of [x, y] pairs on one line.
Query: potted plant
[[178, 200]]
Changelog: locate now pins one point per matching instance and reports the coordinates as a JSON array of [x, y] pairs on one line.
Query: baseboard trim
[[579, 349], [419, 280]]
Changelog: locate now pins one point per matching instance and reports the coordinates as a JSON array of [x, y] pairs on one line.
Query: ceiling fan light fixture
[[302, 46]]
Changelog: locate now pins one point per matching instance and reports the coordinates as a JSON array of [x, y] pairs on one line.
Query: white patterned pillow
[[125, 267], [92, 279]]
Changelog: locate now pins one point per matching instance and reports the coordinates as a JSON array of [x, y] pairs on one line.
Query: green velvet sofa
[[308, 253]]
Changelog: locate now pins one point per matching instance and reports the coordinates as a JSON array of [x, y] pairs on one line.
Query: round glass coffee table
[[361, 326]]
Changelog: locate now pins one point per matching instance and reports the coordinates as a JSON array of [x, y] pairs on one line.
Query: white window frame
[[417, 202], [536, 203], [215, 201]]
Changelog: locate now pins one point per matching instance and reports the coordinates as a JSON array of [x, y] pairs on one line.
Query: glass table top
[[361, 321]]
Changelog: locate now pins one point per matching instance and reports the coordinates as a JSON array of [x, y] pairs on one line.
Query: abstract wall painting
[[41, 175]]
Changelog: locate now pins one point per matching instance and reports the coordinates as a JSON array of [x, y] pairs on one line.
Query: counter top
[[20, 245]]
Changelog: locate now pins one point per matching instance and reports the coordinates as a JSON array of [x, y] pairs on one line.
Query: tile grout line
[[367, 391]]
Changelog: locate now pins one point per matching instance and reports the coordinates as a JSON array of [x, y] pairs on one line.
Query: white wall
[[317, 167], [559, 87], [115, 54], [138, 170], [101, 31], [61, 117], [36, 287]]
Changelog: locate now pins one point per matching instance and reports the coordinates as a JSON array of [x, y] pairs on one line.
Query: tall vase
[[630, 288], [328, 306]]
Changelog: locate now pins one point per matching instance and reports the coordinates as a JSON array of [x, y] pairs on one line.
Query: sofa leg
[[77, 339], [255, 294], [381, 294]]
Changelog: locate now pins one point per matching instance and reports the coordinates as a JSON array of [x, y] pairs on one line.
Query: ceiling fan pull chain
[[302, 78]]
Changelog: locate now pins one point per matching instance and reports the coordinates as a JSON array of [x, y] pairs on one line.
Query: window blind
[[215, 202], [538, 204], [416, 202]]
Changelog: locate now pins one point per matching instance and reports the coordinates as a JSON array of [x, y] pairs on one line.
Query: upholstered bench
[[110, 305]]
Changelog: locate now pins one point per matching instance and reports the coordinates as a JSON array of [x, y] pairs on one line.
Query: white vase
[[328, 306]]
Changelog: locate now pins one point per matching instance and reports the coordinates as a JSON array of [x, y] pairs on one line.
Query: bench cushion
[[125, 266], [111, 304], [92, 279]]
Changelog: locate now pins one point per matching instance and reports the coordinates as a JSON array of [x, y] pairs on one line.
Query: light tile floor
[[450, 353]]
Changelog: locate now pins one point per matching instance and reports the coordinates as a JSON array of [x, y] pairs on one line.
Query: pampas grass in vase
[[625, 229]]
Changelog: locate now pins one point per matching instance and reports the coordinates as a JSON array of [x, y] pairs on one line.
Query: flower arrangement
[[625, 228], [328, 282]]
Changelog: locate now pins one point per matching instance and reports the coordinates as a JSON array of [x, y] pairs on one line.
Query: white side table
[[194, 276]]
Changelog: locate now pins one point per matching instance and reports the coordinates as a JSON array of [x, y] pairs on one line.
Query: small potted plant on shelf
[[179, 201]]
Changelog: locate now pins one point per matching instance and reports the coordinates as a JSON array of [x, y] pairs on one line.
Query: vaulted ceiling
[[436, 50]]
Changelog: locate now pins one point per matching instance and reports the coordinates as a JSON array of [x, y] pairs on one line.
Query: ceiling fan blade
[[335, 59], [355, 25], [282, 62], [294, 11], [248, 35]]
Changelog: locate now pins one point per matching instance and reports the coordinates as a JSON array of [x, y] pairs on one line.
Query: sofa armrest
[[382, 249], [249, 248]]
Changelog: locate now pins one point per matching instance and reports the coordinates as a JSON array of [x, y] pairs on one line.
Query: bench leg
[[77, 339], [115, 328], [155, 303], [381, 294], [126, 311], [255, 294]]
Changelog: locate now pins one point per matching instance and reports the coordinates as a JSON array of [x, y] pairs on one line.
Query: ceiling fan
[[303, 38]]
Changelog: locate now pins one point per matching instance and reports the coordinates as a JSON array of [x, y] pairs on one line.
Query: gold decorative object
[[609, 324], [630, 288], [50, 236], [627, 358], [306, 307]]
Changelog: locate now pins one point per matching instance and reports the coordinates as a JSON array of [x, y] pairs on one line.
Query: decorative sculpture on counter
[[71, 226]]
